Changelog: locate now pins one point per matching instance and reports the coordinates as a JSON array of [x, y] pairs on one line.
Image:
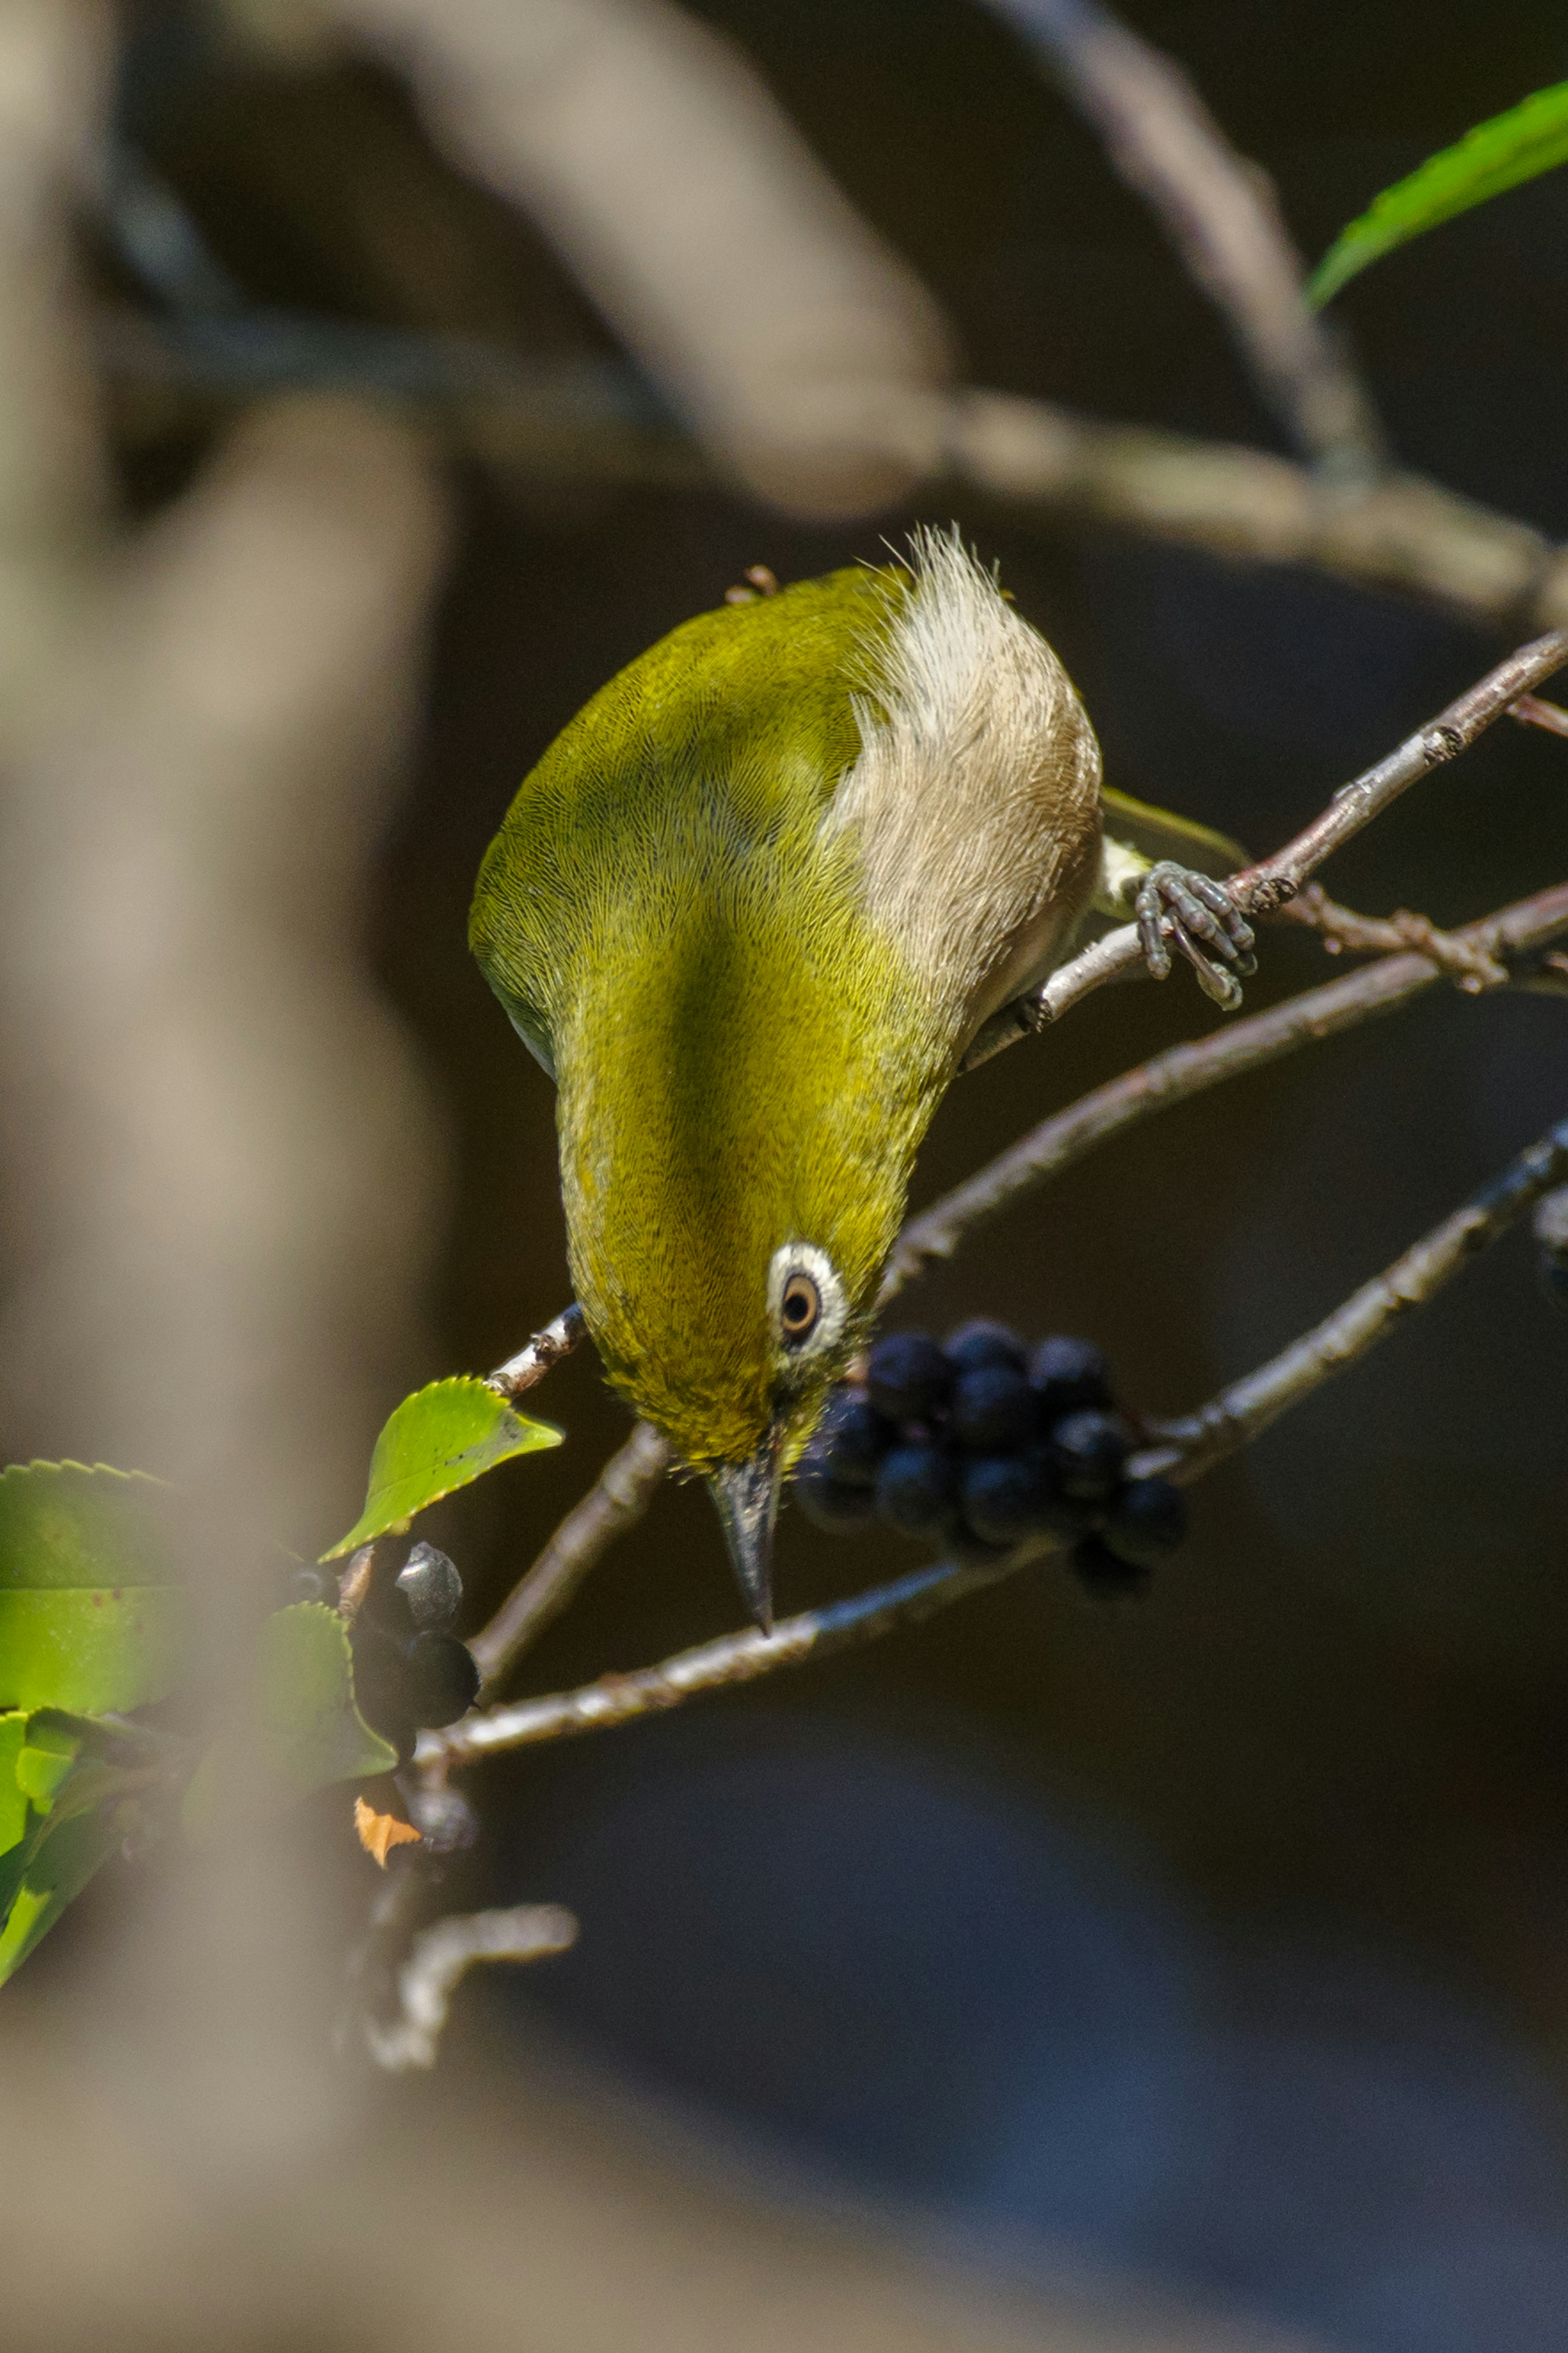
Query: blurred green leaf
[[53, 1865], [438, 1440], [304, 1729], [1510, 148], [91, 1618]]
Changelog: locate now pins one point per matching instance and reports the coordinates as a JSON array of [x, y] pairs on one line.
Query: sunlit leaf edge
[[1493, 157], [394, 1497]]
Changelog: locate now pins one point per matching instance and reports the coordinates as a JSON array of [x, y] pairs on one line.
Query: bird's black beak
[[747, 1496]]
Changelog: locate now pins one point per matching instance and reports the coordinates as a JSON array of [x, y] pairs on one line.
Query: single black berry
[[1008, 1497], [1088, 1449], [850, 1439], [430, 1584], [832, 1503], [443, 1681], [442, 1816], [1103, 1573], [981, 1342], [993, 1409], [314, 1585], [380, 1685], [1147, 1519], [973, 1551], [1066, 1375], [917, 1489], [907, 1377]]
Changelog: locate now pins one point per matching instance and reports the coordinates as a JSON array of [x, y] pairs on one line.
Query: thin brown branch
[[617, 1500], [1221, 214], [544, 1350], [1240, 1412], [439, 1958], [1530, 711], [1190, 1448], [1468, 961], [1226, 1053], [1264, 888]]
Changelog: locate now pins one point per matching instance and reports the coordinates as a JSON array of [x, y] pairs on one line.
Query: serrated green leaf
[[1498, 154], [438, 1440], [60, 1859], [13, 1796], [304, 1728], [90, 1617]]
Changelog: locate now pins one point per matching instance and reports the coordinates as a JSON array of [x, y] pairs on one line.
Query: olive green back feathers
[[749, 907]]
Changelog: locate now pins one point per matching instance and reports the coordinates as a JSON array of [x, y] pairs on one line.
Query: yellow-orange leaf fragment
[[379, 1833]]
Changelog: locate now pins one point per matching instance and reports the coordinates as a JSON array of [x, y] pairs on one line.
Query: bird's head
[[734, 1164]]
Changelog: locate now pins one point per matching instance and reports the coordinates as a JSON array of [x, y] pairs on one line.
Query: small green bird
[[749, 910]]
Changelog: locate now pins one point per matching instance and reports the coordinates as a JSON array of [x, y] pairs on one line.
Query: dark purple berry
[[1147, 1519], [1100, 1572], [831, 1503], [1066, 1375], [314, 1585], [443, 1681], [380, 1685], [993, 1409], [907, 1377], [432, 1587], [1551, 1267], [442, 1816], [1008, 1497], [917, 1489], [1088, 1449], [981, 1342], [851, 1441]]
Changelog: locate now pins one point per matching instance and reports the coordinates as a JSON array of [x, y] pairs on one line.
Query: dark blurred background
[[1222, 1940]]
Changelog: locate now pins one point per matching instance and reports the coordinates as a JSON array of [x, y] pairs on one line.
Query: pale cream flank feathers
[[976, 794]]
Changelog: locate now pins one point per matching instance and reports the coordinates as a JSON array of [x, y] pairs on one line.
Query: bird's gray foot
[[1200, 915]]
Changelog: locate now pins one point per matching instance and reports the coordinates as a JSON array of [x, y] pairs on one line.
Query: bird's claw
[[1175, 903]]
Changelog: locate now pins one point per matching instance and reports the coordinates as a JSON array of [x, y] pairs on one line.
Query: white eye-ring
[[806, 1305]]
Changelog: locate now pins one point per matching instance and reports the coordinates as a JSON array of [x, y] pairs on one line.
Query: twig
[[732, 1658], [1263, 888], [1189, 1448], [546, 1349], [1196, 1443], [1187, 1069], [1223, 216], [1530, 711], [617, 1500], [439, 1958], [1468, 961]]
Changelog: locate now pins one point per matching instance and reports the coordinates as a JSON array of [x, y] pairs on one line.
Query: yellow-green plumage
[[750, 906]]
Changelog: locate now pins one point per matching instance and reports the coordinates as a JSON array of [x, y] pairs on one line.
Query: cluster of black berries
[[980, 1444], [410, 1668]]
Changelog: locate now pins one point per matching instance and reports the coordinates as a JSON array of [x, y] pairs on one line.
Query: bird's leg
[[1177, 903]]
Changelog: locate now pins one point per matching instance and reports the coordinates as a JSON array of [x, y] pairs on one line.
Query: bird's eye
[[799, 1308]]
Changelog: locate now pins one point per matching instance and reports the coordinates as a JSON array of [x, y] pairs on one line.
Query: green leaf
[[1530, 139], [56, 1862], [440, 1439], [304, 1729], [91, 1618], [13, 1796]]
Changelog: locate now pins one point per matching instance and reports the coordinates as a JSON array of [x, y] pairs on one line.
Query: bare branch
[[440, 1957], [1220, 212], [546, 1349], [1265, 888], [1468, 960], [1238, 1413], [1188, 1449], [617, 1500], [733, 1659], [1189, 1069]]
